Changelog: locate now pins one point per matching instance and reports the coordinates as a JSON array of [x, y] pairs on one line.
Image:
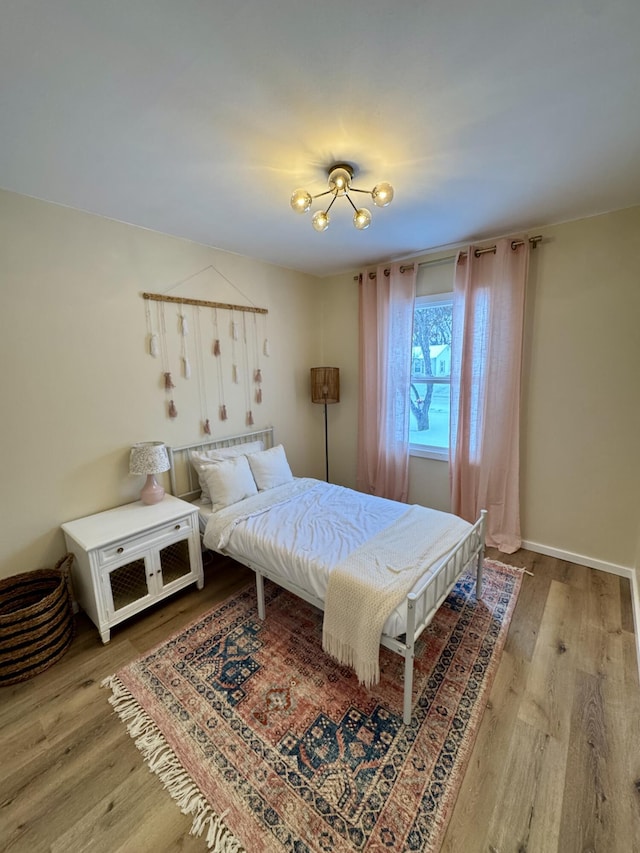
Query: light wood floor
[[555, 769]]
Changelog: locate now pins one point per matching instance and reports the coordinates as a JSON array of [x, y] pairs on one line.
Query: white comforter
[[302, 530]]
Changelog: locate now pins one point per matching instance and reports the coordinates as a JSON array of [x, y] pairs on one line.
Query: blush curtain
[[488, 320], [386, 329]]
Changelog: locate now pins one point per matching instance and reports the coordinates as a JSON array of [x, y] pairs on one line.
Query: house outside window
[[430, 390]]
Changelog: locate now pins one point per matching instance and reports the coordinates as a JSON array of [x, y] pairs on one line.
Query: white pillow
[[270, 468], [200, 459], [229, 481]]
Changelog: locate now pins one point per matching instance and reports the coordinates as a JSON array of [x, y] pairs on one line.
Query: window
[[431, 377]]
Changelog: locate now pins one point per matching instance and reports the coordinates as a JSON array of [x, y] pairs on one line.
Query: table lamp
[[150, 458]]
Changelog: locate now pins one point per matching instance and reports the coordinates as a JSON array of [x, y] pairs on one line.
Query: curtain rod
[[405, 267], [160, 297]]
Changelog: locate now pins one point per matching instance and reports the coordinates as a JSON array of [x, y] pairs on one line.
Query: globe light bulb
[[320, 220], [382, 194], [301, 201], [339, 179], [362, 218]]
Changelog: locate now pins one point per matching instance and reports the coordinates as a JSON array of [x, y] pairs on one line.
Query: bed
[[312, 538]]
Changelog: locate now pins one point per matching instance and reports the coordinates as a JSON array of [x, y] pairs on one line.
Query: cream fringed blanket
[[372, 581]]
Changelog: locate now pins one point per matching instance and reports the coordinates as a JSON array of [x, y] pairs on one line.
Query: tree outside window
[[431, 376]]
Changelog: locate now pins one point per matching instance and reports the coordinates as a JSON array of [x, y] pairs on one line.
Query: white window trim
[[426, 451]]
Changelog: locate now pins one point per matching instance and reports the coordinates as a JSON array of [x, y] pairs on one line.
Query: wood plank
[[76, 770], [547, 701], [111, 824], [597, 812], [532, 786], [626, 605], [476, 799], [526, 815], [523, 633], [601, 645]]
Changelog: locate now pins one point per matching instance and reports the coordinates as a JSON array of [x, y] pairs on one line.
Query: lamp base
[[152, 492]]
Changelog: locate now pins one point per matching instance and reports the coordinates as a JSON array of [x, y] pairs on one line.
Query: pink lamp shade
[[150, 458]]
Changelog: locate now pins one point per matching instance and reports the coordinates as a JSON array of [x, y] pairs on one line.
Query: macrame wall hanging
[[200, 374], [217, 351], [153, 343], [167, 379], [233, 332], [242, 351], [247, 372], [184, 353], [257, 375]]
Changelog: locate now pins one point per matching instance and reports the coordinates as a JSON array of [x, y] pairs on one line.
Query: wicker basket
[[36, 621]]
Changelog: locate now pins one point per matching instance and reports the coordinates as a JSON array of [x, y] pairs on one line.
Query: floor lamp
[[325, 389]]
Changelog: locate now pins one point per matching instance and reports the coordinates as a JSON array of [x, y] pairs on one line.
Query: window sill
[[429, 452]]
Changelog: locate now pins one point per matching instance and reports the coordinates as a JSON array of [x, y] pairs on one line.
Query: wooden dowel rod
[[160, 297]]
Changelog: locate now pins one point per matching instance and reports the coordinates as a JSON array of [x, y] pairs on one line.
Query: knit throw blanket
[[374, 579]]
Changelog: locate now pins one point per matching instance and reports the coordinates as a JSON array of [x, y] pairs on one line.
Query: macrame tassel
[[206, 427], [259, 395], [216, 347], [223, 412], [266, 349], [184, 326], [187, 367], [234, 373], [257, 376], [249, 418], [173, 412], [168, 382], [154, 345], [234, 330]]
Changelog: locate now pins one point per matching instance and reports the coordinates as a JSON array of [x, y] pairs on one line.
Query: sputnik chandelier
[[340, 177]]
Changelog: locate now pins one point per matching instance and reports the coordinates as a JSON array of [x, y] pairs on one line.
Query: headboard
[[182, 476]]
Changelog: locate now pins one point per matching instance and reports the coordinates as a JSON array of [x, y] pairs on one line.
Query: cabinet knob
[[120, 550], [177, 527]]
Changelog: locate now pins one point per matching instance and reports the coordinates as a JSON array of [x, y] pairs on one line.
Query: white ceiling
[[198, 118]]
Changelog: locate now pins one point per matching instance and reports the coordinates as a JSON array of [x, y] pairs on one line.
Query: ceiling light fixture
[[340, 177]]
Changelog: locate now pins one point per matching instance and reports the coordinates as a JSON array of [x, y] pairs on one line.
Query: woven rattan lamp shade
[[325, 385]]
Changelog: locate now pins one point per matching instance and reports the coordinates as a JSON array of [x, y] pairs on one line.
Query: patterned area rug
[[272, 746]]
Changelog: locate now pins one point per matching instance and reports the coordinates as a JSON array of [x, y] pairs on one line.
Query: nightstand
[[131, 557]]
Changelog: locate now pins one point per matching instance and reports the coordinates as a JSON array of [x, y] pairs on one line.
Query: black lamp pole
[[326, 440]]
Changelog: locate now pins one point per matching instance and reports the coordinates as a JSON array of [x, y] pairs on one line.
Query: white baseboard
[[612, 568], [580, 559]]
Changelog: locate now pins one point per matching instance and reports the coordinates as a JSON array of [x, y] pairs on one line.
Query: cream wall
[[581, 413], [581, 402], [78, 387]]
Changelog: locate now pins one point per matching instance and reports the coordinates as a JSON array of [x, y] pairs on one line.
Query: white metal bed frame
[[431, 591]]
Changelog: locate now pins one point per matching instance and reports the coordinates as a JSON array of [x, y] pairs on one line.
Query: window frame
[[426, 451]]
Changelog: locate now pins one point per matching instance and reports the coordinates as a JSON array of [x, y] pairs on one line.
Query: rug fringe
[[520, 569], [163, 761]]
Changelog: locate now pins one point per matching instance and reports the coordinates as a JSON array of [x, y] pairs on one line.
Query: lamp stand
[[152, 492], [325, 389], [326, 443]]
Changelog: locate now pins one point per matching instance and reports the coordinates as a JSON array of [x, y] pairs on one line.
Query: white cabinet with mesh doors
[[130, 557]]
